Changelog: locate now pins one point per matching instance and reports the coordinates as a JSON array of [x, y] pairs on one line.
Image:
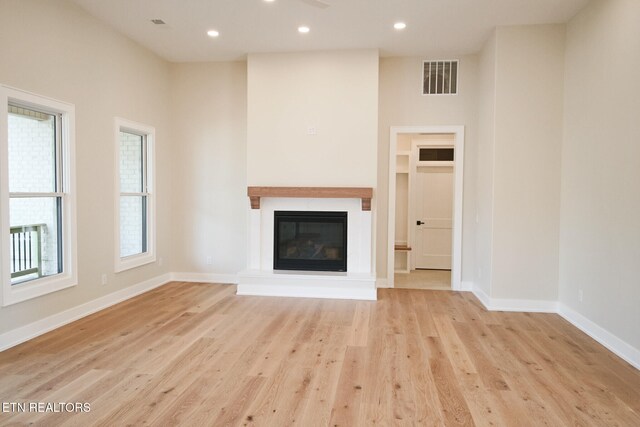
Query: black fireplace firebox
[[312, 241]]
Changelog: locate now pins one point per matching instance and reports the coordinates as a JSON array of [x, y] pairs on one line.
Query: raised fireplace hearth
[[310, 241]]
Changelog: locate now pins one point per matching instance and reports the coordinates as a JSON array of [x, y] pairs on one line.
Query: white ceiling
[[434, 27]]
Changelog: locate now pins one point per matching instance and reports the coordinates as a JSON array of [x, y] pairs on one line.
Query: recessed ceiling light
[[213, 33], [399, 25], [303, 29], [269, 1]]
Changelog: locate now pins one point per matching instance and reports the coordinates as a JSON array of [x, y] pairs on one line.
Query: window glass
[[35, 207], [135, 221], [35, 244], [131, 163], [132, 225], [436, 154], [32, 151]]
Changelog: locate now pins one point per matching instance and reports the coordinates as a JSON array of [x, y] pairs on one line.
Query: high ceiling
[[434, 27]]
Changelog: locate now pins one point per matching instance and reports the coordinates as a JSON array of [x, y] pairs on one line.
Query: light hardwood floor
[[424, 279], [196, 354]]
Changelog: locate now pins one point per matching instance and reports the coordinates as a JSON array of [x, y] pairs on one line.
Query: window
[[440, 77], [37, 205], [135, 203], [436, 155]]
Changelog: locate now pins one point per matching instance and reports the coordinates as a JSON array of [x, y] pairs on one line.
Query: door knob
[[419, 222]]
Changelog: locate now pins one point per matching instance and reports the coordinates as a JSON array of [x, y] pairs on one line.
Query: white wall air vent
[[440, 77]]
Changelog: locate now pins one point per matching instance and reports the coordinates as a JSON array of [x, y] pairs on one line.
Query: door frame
[[456, 261]]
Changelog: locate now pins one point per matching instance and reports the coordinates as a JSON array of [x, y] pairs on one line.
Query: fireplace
[[311, 241]]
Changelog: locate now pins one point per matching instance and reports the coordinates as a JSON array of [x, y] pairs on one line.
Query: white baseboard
[[621, 348], [466, 286], [507, 304], [382, 283], [482, 296], [205, 277], [42, 326]]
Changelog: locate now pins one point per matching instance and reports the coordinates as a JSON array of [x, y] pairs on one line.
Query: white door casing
[[456, 262]]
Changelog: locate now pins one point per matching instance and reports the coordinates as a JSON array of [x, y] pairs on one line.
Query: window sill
[[133, 261], [14, 294]]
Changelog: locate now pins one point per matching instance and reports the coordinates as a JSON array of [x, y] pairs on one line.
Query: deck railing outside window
[[26, 250]]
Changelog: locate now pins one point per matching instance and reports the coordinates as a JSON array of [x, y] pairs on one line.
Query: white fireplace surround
[[260, 278]]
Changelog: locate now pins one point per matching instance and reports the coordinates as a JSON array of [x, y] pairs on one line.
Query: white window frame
[[149, 132], [12, 294]]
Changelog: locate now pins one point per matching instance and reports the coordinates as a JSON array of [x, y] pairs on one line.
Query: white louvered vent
[[440, 77]]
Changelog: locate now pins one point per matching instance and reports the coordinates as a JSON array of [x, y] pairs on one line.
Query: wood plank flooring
[[196, 354], [436, 280]]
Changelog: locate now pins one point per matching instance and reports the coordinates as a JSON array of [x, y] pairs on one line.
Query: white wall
[[600, 213], [526, 175], [337, 93], [483, 179], [214, 112], [55, 49], [402, 208], [402, 190], [402, 104], [209, 110]]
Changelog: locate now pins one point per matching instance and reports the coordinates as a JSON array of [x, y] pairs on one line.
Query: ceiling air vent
[[158, 21], [440, 77]]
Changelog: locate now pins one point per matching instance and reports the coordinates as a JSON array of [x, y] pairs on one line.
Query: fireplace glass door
[[312, 241]]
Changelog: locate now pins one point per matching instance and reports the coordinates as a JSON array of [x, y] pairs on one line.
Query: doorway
[[425, 207]]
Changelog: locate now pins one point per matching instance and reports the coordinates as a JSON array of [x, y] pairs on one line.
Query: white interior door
[[434, 214]]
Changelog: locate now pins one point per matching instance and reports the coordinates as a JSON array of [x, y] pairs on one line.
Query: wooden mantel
[[363, 193]]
